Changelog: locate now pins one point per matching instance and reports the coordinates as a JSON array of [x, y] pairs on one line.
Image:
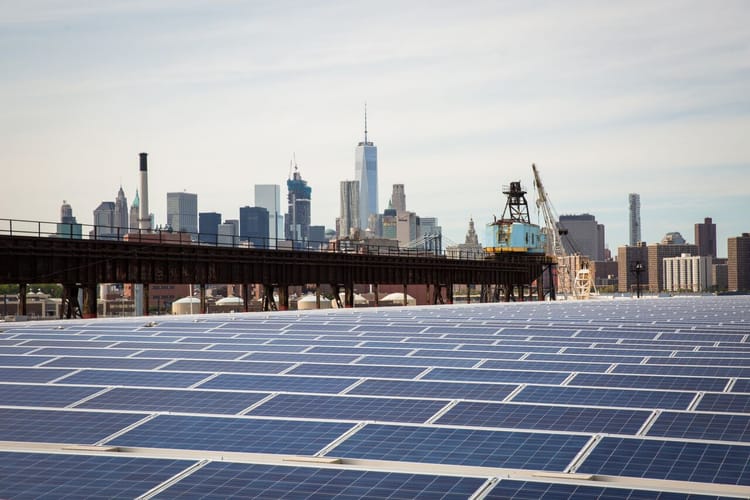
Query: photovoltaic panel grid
[[615, 398]]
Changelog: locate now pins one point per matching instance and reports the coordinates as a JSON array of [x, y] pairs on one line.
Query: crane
[[577, 283]]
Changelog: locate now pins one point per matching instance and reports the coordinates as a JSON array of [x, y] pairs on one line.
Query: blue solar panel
[[614, 349], [437, 390], [35, 375], [300, 358], [53, 476], [650, 382], [191, 401], [741, 361], [245, 347], [111, 363], [233, 434], [463, 330], [735, 403], [558, 366], [349, 408], [713, 426], [224, 480], [584, 358], [62, 426], [188, 354], [227, 366], [557, 418], [476, 375], [442, 445], [692, 337], [278, 383], [360, 351], [695, 371], [673, 460], [406, 372], [632, 398], [133, 378], [416, 361], [109, 352], [68, 343], [8, 353], [741, 385], [510, 349], [531, 490], [616, 333], [412, 345], [43, 395], [161, 345]]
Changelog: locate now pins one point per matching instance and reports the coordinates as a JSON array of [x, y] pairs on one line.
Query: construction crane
[[573, 280]]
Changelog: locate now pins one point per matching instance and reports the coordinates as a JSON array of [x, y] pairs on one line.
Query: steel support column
[[203, 297], [89, 302], [21, 311], [283, 297], [145, 299]]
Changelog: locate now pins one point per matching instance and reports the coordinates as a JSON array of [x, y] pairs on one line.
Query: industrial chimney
[[144, 221]]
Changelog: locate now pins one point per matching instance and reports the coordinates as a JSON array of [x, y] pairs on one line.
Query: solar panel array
[[618, 398]]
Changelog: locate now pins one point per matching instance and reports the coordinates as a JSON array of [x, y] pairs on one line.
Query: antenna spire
[[365, 122]]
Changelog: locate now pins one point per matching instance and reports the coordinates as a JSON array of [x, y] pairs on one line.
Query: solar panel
[[39, 475], [650, 382], [741, 385], [695, 371], [109, 352], [173, 400], [188, 354], [35, 375], [713, 426], [406, 372], [538, 417], [631, 398], [584, 358], [673, 460], [559, 366], [300, 358], [227, 366], [224, 480], [738, 361], [61, 426], [443, 445], [349, 408], [416, 361], [477, 375], [278, 383], [738, 403], [43, 395], [444, 390], [247, 435], [150, 378], [531, 490], [68, 343], [111, 363]]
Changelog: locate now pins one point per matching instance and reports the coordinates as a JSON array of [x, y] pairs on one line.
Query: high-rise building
[[121, 216], [406, 227], [104, 221], [349, 203], [687, 273], [68, 227], [208, 227], [254, 226], [317, 237], [390, 221], [398, 198], [228, 233], [297, 218], [268, 196], [657, 252], [182, 212], [366, 172], [738, 263], [634, 211], [585, 236], [705, 237], [134, 213]]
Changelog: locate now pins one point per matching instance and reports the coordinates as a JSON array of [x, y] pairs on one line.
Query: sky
[[606, 98]]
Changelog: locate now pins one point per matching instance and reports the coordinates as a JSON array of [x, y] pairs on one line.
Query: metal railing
[[75, 231]]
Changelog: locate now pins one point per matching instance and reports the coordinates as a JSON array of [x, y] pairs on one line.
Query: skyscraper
[[68, 227], [268, 196], [705, 238], [121, 217], [182, 212], [635, 218], [349, 218], [366, 172], [208, 227], [254, 226], [134, 213], [398, 198], [738, 262], [585, 235], [297, 223]]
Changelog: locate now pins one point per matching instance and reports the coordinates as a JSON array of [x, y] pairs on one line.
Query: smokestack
[[144, 221]]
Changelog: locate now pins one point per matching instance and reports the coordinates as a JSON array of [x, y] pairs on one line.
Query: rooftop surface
[[607, 399]]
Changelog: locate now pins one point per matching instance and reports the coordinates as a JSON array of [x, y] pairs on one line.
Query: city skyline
[[607, 100]]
